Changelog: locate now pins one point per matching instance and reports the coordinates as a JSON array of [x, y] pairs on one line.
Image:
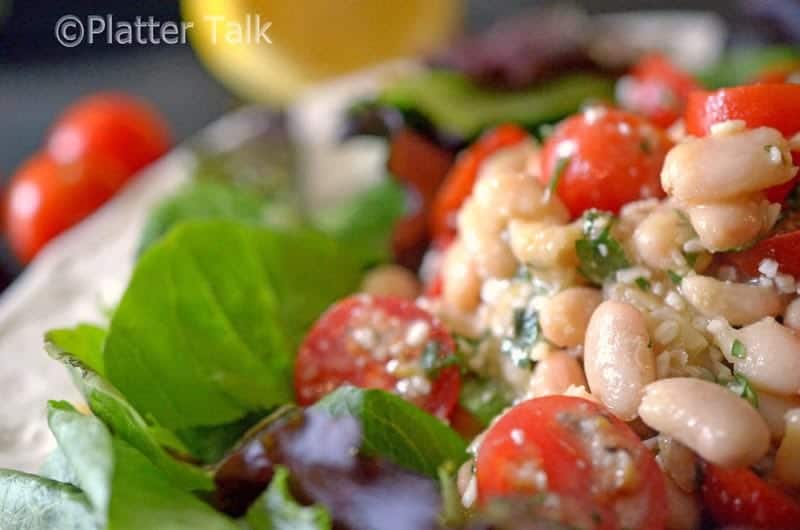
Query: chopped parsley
[[738, 349], [525, 332], [675, 277], [691, 258], [558, 172], [643, 283], [600, 255], [741, 387], [645, 146], [433, 362]]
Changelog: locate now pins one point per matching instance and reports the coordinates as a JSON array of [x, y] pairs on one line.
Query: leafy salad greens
[[199, 349]]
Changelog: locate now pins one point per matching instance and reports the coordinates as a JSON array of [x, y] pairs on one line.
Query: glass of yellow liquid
[[270, 50]]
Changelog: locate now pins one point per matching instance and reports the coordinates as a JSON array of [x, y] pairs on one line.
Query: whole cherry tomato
[[604, 158], [45, 198], [378, 342], [657, 89], [560, 445], [115, 125], [738, 497]]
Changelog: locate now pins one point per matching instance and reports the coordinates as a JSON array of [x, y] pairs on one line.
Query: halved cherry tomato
[[604, 158], [115, 125], [461, 178], [45, 198], [562, 444], [739, 497], [367, 341], [764, 105], [658, 90], [783, 248]]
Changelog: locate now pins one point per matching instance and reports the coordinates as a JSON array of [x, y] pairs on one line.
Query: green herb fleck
[[741, 387], [691, 258], [546, 130], [433, 362], [558, 172], [675, 277], [643, 283], [600, 255], [738, 349], [525, 333], [645, 146]]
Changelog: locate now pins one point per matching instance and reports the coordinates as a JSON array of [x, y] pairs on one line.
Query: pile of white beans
[[657, 357]]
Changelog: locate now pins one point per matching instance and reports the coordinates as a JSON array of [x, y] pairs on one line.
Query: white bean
[[787, 459], [727, 225], [791, 317], [544, 245], [659, 239], [618, 359], [506, 189], [461, 288], [565, 316], [724, 167], [391, 280], [555, 374], [772, 357], [738, 303], [708, 418], [773, 409]]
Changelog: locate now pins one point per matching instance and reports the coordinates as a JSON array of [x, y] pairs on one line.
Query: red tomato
[[765, 105], [604, 158], [738, 497], [547, 444], [782, 248], [115, 125], [362, 340], [658, 90], [420, 165], [45, 198], [461, 178]]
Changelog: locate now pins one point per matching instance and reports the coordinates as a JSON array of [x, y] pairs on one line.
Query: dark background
[[38, 77]]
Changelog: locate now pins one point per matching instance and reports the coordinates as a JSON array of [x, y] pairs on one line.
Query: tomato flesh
[[658, 90], [782, 248], [116, 125], [461, 178], [545, 445], [45, 198], [377, 342], [739, 497], [604, 158]]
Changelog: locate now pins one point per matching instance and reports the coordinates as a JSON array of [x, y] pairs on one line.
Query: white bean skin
[[391, 280], [738, 303], [462, 286], [565, 317], [618, 359], [554, 374], [683, 509], [787, 459], [772, 357], [708, 418], [791, 317], [723, 167], [506, 189], [544, 245], [659, 238], [724, 226], [773, 409]]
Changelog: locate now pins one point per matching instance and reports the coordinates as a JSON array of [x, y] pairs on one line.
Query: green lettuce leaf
[[84, 342], [28, 502], [125, 422], [276, 509], [397, 430], [207, 329]]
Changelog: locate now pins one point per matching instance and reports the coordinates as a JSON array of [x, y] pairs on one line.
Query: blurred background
[[39, 77]]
